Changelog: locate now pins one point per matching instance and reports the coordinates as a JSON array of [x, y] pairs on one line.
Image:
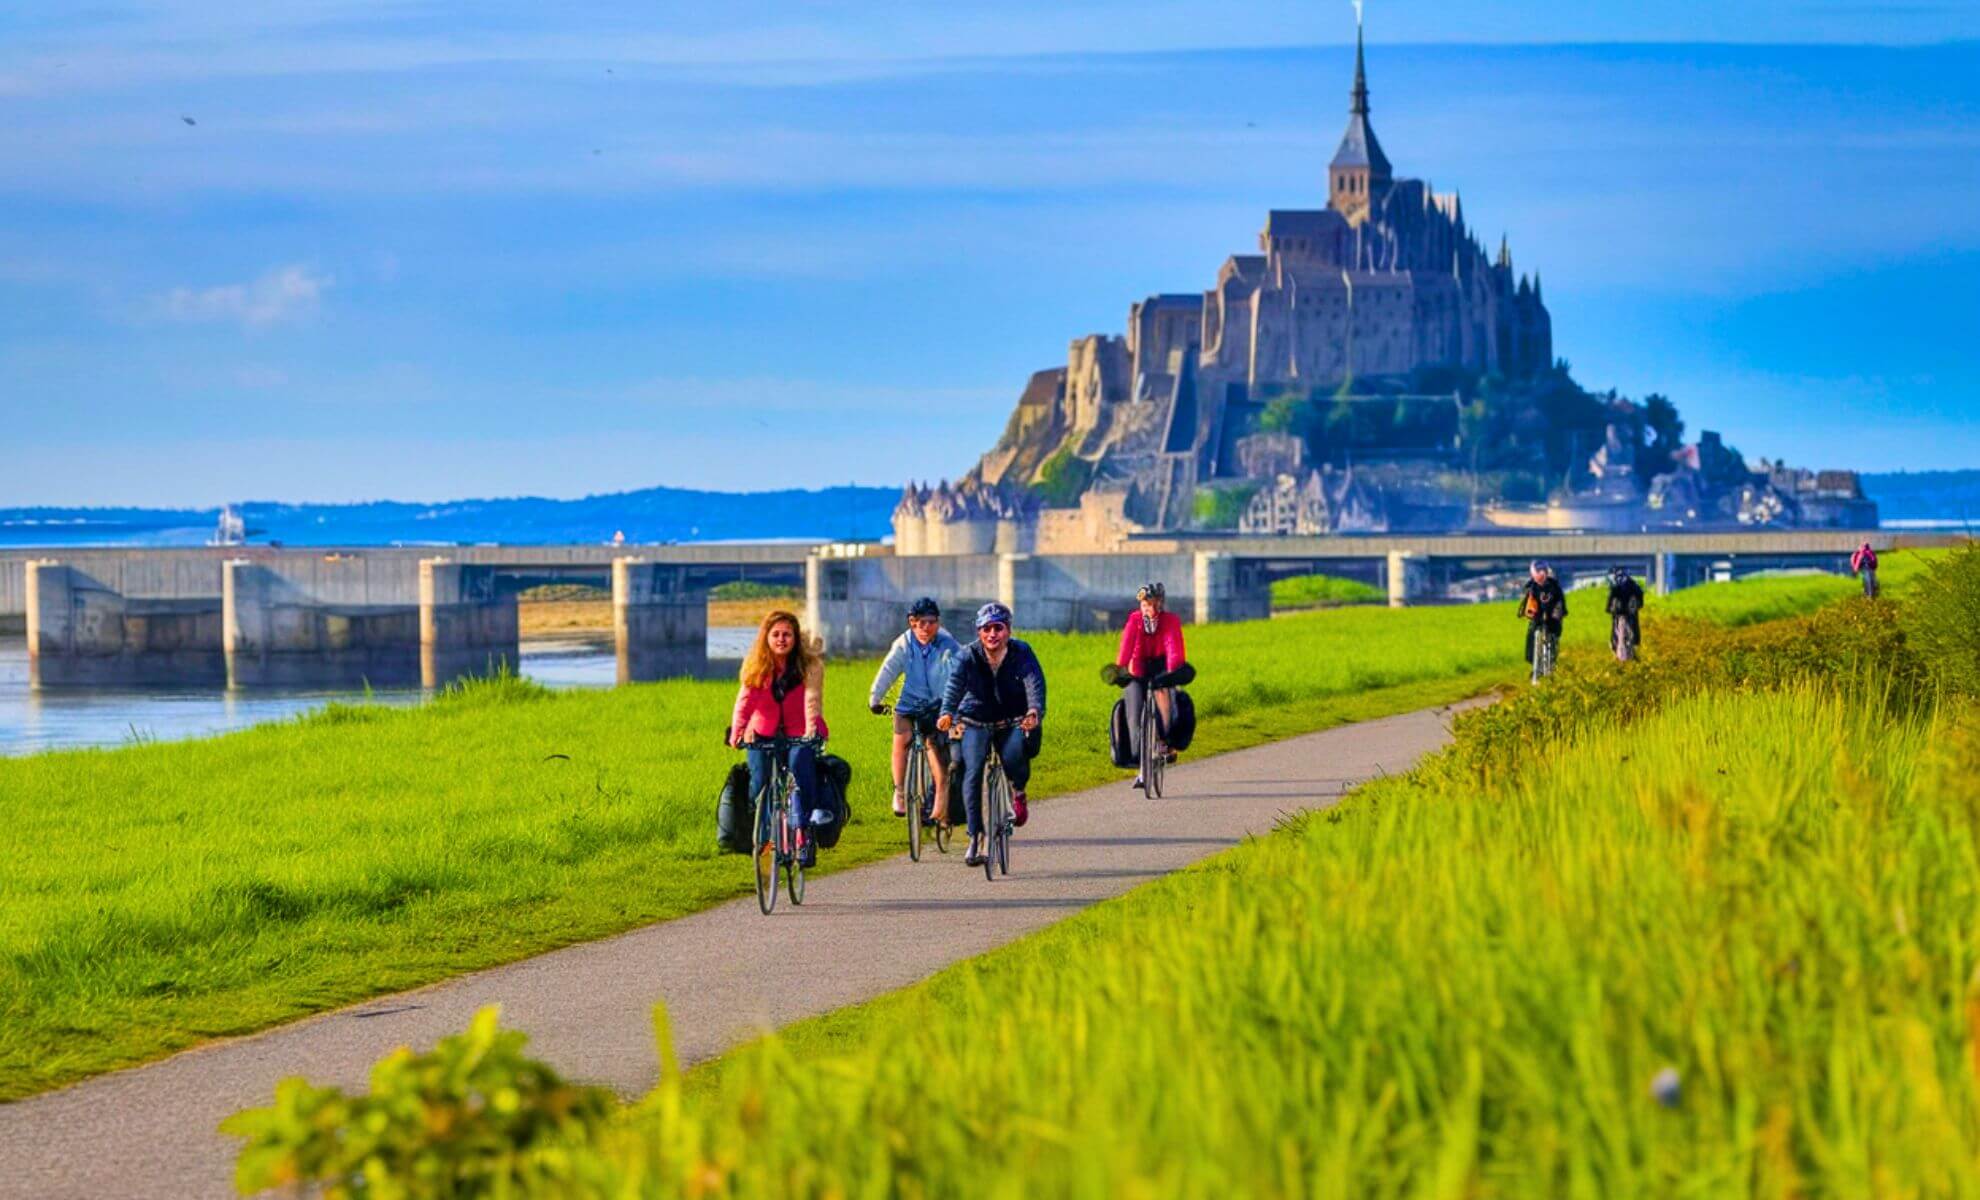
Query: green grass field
[[1771, 598], [1704, 925], [1322, 591], [161, 895]]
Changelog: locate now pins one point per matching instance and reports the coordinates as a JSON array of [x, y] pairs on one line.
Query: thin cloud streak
[[284, 294]]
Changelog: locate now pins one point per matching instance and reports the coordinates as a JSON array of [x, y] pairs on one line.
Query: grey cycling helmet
[[992, 613], [924, 607]]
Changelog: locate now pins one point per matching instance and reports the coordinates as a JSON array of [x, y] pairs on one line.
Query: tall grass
[[1447, 988]]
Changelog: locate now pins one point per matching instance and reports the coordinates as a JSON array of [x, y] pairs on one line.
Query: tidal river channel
[[32, 721]]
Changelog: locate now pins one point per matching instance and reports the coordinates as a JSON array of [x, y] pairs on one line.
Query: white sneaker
[[900, 803]]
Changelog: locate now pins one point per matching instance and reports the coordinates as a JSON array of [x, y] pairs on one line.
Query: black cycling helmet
[[1154, 589], [992, 613], [924, 607], [1619, 572]]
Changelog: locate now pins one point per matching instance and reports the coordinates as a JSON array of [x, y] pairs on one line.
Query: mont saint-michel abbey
[[1383, 288]]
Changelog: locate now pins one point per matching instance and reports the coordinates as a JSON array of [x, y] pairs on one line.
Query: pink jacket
[[1166, 643], [798, 714], [1865, 559]]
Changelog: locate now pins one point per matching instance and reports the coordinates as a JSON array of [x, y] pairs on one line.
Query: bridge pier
[[1222, 593], [1663, 572], [280, 634], [83, 633], [466, 626], [1407, 574], [659, 623]]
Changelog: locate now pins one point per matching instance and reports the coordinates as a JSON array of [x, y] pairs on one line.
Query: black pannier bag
[[1118, 739], [835, 776], [1182, 723], [735, 813]]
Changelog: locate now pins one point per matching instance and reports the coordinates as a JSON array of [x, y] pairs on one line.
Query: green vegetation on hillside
[[1062, 477], [1704, 925], [1322, 591], [1221, 507]]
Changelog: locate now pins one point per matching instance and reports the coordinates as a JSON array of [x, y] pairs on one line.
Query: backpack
[[1182, 722], [1119, 741], [835, 776], [735, 812]]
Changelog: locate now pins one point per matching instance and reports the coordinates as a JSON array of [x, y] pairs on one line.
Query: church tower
[[1359, 173]]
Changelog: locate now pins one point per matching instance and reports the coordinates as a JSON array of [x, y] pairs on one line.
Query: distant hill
[[1926, 495], [649, 515]]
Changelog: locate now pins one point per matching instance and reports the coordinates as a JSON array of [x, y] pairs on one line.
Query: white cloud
[[283, 294]]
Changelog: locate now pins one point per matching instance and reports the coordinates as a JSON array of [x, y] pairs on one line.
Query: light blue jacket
[[922, 670]]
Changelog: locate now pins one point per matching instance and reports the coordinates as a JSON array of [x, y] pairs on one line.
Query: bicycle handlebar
[[772, 740], [1180, 677]]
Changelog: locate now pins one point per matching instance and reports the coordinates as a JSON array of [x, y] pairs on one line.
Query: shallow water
[[31, 721]]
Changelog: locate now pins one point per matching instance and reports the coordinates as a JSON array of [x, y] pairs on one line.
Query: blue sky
[[409, 252]]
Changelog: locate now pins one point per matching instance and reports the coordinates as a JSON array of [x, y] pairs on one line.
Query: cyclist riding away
[[783, 696], [1625, 603], [997, 679], [1864, 563], [1151, 646], [921, 659], [1543, 605]]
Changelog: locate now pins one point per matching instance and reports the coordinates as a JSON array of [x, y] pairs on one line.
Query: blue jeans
[[802, 757], [976, 742]]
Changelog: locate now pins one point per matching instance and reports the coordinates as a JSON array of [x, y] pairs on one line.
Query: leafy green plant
[[473, 1117]]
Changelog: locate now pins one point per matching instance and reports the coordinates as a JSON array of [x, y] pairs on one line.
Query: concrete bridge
[[261, 616]]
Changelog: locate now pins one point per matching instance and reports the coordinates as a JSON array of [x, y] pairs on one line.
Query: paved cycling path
[[725, 974]]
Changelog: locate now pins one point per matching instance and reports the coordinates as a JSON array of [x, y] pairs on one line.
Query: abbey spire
[[1360, 171]]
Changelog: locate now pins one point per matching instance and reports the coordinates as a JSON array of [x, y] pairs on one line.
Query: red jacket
[[797, 715], [1865, 559], [1165, 643]]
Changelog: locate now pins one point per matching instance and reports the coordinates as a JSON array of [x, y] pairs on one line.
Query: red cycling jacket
[[1138, 645]]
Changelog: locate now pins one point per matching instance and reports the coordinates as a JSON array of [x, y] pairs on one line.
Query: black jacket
[[976, 693], [1625, 598], [1552, 603]]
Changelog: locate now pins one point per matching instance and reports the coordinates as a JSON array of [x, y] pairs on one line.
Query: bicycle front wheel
[[766, 870], [993, 819], [915, 790]]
